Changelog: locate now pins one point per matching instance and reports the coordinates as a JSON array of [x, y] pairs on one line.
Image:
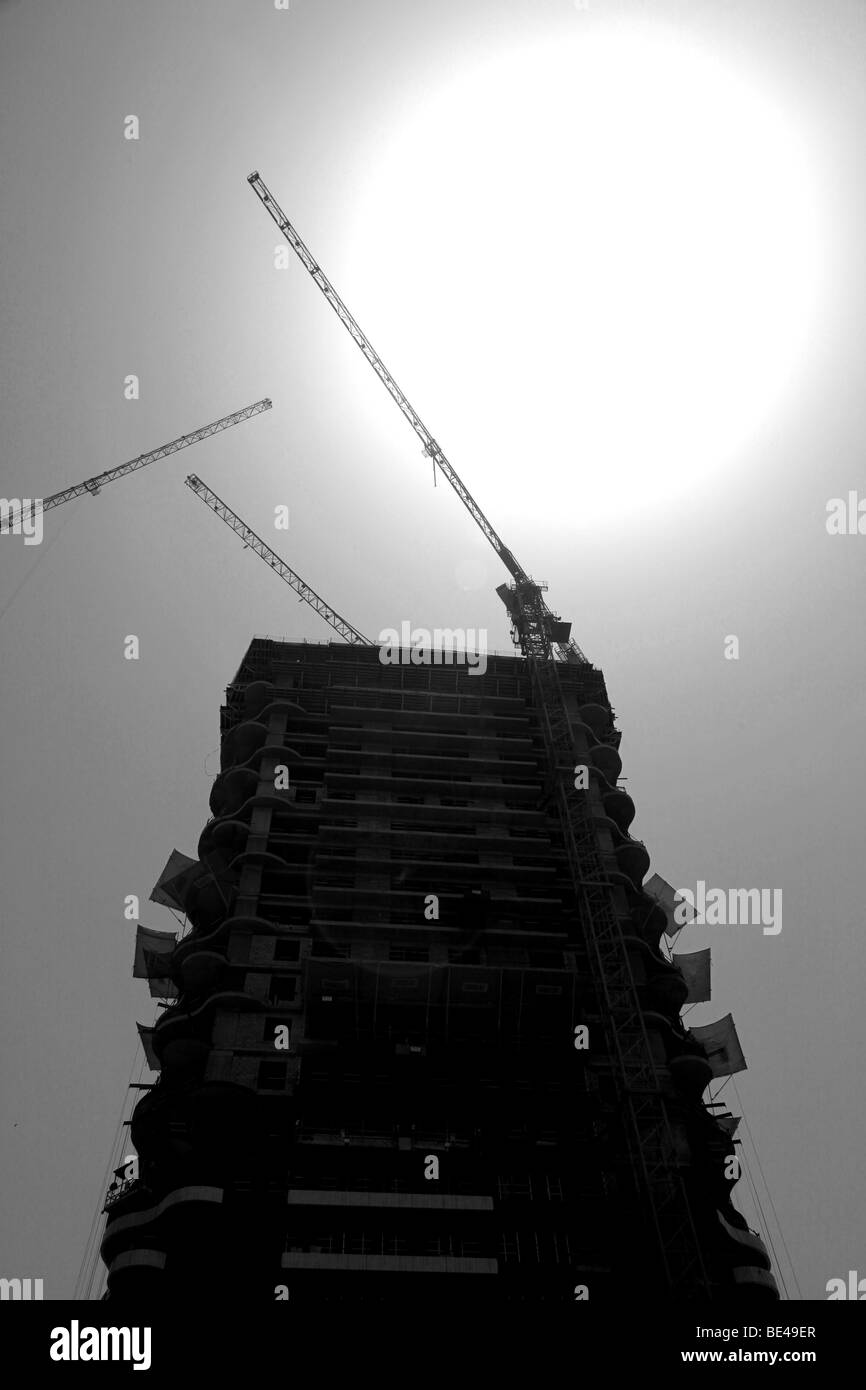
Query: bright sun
[[594, 267]]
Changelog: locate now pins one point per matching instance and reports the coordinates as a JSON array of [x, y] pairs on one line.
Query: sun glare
[[597, 264]]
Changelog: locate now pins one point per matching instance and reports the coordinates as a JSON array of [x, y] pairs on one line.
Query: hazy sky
[[614, 255]]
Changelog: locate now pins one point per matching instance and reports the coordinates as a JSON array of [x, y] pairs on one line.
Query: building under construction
[[407, 1059], [420, 1040]]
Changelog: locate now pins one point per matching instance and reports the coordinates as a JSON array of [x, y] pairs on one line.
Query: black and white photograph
[[432, 674]]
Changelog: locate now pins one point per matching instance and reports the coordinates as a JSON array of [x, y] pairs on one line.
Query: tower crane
[[270, 557], [542, 637], [93, 485], [537, 629]]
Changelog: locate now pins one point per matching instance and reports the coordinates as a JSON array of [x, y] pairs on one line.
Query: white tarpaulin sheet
[[146, 1036], [722, 1046], [174, 880], [666, 897], [695, 968]]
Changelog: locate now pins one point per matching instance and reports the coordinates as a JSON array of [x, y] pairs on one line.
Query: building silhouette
[[387, 1070]]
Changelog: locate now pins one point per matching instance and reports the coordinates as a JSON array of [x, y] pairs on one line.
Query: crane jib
[[298, 246], [92, 485], [277, 564], [431, 447]]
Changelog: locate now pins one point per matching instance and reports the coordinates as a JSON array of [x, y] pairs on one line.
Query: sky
[[613, 253]]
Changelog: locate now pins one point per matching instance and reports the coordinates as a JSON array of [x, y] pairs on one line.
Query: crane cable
[[90, 1259], [759, 1215], [764, 1225], [779, 1227], [43, 551]]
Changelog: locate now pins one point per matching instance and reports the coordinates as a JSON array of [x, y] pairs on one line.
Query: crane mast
[[93, 485], [536, 627], [638, 1084], [279, 566]]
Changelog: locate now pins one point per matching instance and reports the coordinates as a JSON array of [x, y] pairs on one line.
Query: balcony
[[134, 1226], [120, 1191], [748, 1244]]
